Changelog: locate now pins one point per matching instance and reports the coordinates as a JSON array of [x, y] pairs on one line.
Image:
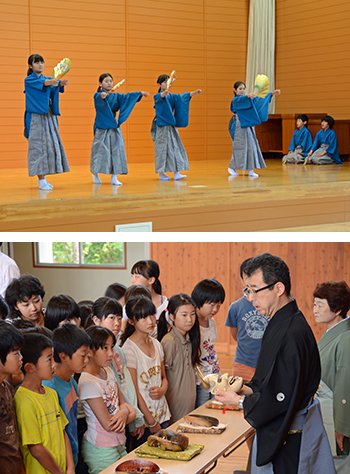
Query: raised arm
[[197, 92]]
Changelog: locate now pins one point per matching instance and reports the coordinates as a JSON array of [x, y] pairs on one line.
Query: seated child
[[11, 341], [105, 410], [25, 299], [208, 295], [324, 150], [41, 421], [301, 142], [61, 309], [71, 346]]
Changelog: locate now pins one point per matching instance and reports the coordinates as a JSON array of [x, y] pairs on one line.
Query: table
[[237, 431]]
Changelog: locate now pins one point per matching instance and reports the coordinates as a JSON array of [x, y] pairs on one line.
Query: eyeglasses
[[250, 292]]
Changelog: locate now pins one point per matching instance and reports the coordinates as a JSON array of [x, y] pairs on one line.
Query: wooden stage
[[283, 198]]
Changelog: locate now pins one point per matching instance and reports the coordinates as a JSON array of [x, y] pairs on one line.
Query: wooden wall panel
[[182, 265], [312, 44], [204, 40]]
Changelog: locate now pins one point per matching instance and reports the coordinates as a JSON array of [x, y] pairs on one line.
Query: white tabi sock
[[43, 184], [96, 179], [233, 172], [164, 177], [114, 180], [254, 175], [178, 175]]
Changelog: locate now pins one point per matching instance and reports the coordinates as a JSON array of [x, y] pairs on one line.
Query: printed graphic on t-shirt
[[211, 357], [255, 324], [110, 397], [145, 377]]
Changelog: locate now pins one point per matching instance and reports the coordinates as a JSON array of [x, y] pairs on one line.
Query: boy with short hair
[[41, 421], [324, 150], [11, 341], [71, 346], [301, 142], [208, 295]]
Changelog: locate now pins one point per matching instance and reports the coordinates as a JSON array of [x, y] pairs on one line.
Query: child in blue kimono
[[301, 142], [108, 150], [248, 110], [46, 154], [324, 150], [172, 111]]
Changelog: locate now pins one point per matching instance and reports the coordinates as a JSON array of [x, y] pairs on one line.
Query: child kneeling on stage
[[324, 150], [301, 142]]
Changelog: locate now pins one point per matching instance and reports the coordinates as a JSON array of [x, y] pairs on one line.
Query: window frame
[[84, 266]]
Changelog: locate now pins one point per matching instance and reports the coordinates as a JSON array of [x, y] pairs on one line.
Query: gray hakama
[[108, 152], [169, 150], [46, 154], [321, 160], [297, 156], [246, 153]]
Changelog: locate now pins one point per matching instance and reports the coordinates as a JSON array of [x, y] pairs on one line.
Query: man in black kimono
[[287, 372]]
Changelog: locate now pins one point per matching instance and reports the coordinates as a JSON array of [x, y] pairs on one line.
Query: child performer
[[46, 154], [248, 110], [172, 111], [41, 421], [324, 150], [182, 351], [208, 296], [145, 361], [301, 142], [103, 403], [108, 150], [11, 341]]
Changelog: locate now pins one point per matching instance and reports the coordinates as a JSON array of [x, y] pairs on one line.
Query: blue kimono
[[326, 140], [246, 153], [46, 154], [300, 146], [39, 98], [172, 112], [108, 150]]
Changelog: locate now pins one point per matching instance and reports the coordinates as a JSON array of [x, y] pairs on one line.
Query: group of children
[[131, 382], [46, 154], [323, 151]]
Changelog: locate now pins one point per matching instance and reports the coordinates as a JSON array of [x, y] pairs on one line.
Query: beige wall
[[81, 284]]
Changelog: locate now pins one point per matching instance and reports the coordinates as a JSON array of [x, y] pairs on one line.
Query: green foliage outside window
[[88, 253]]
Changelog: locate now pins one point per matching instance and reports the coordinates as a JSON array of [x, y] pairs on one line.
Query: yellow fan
[[261, 85], [171, 79], [117, 85], [62, 68]]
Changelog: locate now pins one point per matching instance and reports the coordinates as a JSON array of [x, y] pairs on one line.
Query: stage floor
[[283, 198]]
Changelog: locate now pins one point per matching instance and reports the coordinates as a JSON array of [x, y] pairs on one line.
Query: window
[[80, 254]]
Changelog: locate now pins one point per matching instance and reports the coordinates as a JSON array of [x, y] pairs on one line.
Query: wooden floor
[[290, 198]]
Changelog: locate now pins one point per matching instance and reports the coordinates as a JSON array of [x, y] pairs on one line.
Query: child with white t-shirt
[[208, 295], [145, 361], [105, 410]]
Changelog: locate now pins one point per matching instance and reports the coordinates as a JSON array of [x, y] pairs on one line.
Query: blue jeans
[[203, 395]]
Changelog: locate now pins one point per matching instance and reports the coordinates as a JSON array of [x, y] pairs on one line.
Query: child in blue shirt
[[324, 150], [71, 346], [301, 142]]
